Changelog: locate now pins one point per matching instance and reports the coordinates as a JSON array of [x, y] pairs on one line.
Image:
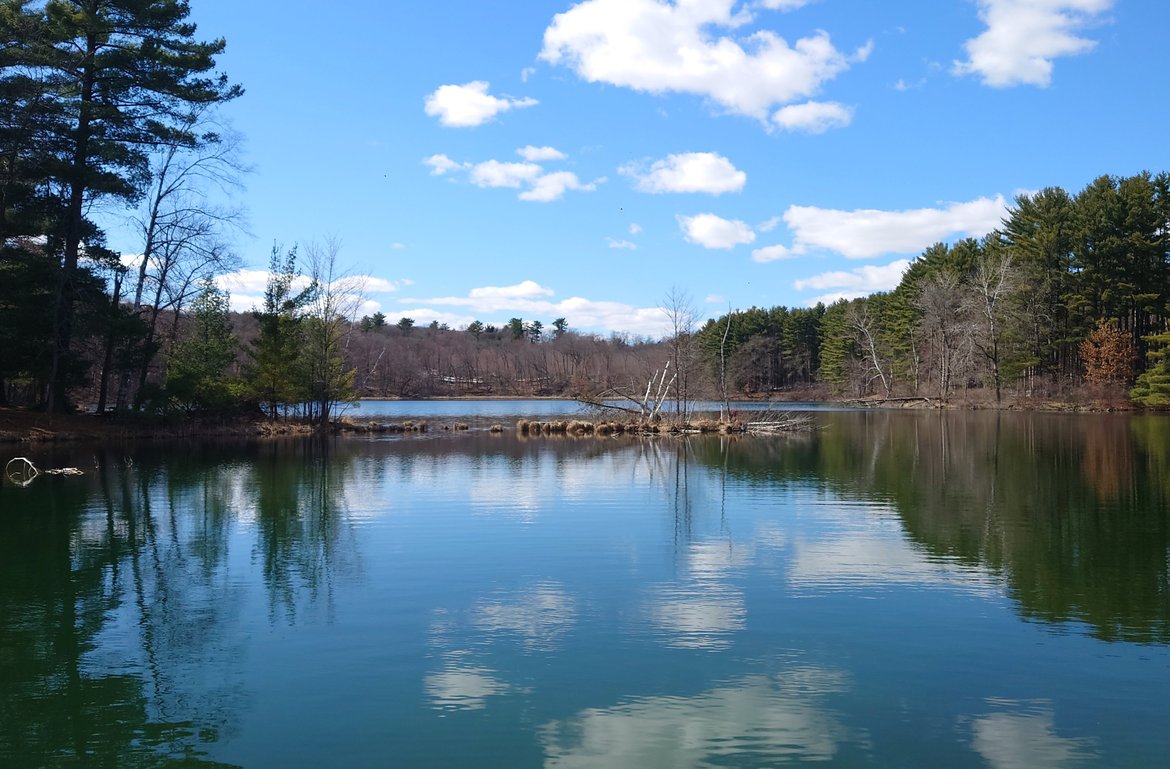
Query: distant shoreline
[[21, 426]]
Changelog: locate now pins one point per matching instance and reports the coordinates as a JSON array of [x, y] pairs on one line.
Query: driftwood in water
[[21, 471], [881, 401]]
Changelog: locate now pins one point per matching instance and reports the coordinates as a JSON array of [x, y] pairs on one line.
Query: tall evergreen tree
[[198, 369], [1039, 234], [278, 376], [121, 76]]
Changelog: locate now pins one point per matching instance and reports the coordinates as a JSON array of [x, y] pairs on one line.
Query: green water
[[894, 590]]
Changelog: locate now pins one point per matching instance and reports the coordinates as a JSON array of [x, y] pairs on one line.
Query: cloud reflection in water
[[1024, 737], [539, 616], [704, 609], [756, 718]]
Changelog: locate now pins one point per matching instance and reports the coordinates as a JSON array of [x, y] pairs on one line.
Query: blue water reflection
[[866, 595]]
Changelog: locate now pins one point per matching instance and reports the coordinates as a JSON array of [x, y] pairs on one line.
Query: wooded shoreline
[[26, 426]]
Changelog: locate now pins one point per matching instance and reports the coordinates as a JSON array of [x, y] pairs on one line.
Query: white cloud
[[252, 282], [538, 154], [813, 117], [470, 104], [657, 47], [247, 286], [711, 231], [706, 172], [714, 299], [441, 164], [621, 244], [866, 233], [773, 253], [635, 229], [397, 246], [374, 285], [529, 299], [538, 185], [770, 224], [423, 316], [549, 187], [523, 290], [1024, 36], [860, 281], [784, 5], [493, 173], [526, 73]]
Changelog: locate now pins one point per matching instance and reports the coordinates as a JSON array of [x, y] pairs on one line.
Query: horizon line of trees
[[1072, 290]]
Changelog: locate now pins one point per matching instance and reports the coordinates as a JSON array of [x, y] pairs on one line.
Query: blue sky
[[545, 159]]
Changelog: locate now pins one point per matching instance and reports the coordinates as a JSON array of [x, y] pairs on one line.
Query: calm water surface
[[483, 413], [894, 590]]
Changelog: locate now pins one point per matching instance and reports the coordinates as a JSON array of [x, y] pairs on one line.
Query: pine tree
[[277, 376], [197, 374], [1153, 387], [122, 75]]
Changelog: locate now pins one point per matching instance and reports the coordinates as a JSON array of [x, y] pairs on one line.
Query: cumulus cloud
[[860, 281], [524, 289], [529, 299], [689, 47], [635, 229], [470, 104], [813, 117], [246, 289], [536, 183], [1023, 37], [784, 5], [441, 164], [711, 231], [866, 233], [621, 244], [773, 253], [549, 187], [538, 154], [706, 172], [493, 173]]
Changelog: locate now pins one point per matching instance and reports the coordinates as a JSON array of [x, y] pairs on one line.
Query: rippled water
[[893, 590]]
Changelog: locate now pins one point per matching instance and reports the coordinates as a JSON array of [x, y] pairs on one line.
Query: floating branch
[[22, 472]]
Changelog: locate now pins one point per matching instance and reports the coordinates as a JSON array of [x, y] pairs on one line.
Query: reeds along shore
[[774, 423], [765, 423]]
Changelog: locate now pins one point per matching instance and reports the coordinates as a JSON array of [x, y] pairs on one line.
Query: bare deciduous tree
[[682, 319]]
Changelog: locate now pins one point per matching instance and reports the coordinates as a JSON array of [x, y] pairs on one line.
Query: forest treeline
[[1073, 290], [112, 108]]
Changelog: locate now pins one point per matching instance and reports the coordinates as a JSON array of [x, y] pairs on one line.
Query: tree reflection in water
[[105, 600], [1074, 512]]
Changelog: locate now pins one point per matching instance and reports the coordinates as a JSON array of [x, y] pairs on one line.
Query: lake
[[894, 589]]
